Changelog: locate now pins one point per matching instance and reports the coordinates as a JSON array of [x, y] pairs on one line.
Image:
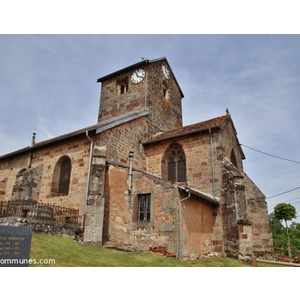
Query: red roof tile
[[216, 122]]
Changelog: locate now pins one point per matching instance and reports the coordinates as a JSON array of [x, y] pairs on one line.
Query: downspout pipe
[[212, 162], [88, 179], [146, 89], [184, 199], [130, 172]]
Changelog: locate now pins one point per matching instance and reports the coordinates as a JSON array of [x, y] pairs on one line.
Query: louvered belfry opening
[[176, 165]]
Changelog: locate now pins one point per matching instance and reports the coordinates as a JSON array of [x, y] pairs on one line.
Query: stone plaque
[[15, 245]]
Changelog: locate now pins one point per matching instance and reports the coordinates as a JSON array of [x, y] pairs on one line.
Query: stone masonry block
[[99, 151]]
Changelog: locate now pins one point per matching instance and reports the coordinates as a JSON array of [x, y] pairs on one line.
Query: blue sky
[[48, 86]]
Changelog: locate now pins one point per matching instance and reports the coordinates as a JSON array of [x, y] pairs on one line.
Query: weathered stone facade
[[123, 230], [221, 208], [162, 97], [15, 170]]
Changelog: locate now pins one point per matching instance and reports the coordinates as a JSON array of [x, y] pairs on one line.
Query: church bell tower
[[148, 85]]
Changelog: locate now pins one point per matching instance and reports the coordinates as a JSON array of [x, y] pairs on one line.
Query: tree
[[294, 232], [278, 231], [286, 212]]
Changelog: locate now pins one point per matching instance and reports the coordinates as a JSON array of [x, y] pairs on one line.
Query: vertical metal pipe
[[212, 162], [130, 172], [89, 175], [146, 89]]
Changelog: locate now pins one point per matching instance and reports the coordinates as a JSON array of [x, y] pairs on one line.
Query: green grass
[[67, 253]]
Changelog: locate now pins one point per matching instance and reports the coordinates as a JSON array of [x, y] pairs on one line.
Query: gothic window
[[233, 158], [144, 207], [64, 180], [176, 165]]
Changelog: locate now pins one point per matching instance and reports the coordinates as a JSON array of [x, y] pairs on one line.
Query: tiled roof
[[205, 125]]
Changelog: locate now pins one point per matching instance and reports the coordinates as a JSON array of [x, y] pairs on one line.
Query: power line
[[291, 201], [283, 193], [282, 202], [290, 160]]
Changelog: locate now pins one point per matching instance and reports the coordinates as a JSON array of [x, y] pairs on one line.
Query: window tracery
[[175, 164]]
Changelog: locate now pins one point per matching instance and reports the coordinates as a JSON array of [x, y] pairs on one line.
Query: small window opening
[[144, 207], [124, 88], [165, 91]]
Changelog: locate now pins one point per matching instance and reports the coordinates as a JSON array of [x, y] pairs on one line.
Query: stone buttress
[[93, 225]]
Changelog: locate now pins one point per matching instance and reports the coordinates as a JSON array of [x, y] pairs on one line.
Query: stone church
[[140, 178]]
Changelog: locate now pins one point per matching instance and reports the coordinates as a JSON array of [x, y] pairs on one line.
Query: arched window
[[174, 164], [64, 179], [61, 176], [233, 158]]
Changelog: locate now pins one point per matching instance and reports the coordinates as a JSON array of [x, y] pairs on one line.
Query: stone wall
[[42, 168], [236, 225], [94, 216], [20, 187], [197, 149], [229, 141], [122, 230], [165, 111], [44, 226], [127, 137], [262, 238], [114, 104], [3, 184], [244, 216]]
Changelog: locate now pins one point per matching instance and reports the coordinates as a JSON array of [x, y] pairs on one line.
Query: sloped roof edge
[[123, 120], [50, 141], [98, 128], [212, 199], [136, 65]]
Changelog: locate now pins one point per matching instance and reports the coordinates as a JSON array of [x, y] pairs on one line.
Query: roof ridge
[[140, 63], [185, 129]]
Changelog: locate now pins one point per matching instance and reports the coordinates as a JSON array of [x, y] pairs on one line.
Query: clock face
[[138, 76], [166, 72]]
